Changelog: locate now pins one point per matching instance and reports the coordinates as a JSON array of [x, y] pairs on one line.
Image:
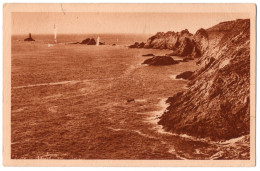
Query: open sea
[[69, 101]]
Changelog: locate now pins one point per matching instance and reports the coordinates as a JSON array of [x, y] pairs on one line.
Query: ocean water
[[69, 101]]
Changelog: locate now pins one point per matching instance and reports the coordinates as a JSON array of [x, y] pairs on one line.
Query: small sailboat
[[98, 39]]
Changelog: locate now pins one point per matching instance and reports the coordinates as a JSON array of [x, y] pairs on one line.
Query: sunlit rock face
[[182, 43], [217, 104]]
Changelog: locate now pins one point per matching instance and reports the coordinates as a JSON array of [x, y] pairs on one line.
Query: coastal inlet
[[74, 101]]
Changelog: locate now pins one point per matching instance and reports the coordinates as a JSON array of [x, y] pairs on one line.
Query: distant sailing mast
[[98, 38], [55, 34]]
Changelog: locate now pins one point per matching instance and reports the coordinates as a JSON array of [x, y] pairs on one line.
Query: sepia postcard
[[129, 84]]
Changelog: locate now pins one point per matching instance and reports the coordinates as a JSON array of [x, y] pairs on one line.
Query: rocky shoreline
[[217, 104]]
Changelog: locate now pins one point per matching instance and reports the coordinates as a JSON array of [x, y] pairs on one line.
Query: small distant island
[[29, 38], [89, 41]]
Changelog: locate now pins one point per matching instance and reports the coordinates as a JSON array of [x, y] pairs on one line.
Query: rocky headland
[[183, 44], [216, 104]]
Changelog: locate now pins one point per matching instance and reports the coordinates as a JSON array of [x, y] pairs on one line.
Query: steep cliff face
[[216, 105]]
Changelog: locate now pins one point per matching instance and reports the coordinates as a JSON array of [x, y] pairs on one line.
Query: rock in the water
[[141, 45], [182, 43], [89, 41], [185, 75], [134, 45], [149, 54], [130, 100], [137, 45], [160, 60], [29, 38]]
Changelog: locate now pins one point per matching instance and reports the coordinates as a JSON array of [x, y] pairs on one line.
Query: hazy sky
[[144, 23]]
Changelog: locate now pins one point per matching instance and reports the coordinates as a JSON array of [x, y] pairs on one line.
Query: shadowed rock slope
[[216, 104]]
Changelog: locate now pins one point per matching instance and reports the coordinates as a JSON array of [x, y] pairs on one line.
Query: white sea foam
[[53, 109], [172, 151], [163, 108], [140, 100], [173, 77], [47, 84], [64, 82], [155, 118], [135, 131], [232, 141], [19, 109]]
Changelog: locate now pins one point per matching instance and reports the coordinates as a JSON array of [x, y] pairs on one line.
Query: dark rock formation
[[182, 43], [149, 54], [134, 45], [160, 60], [114, 44], [202, 40], [216, 105], [137, 45], [141, 45], [130, 100], [89, 41], [29, 38], [185, 75]]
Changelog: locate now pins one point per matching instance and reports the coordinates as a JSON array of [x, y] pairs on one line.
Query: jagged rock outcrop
[[201, 38], [182, 43], [29, 38], [185, 75], [89, 41], [137, 45], [217, 103], [160, 60]]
